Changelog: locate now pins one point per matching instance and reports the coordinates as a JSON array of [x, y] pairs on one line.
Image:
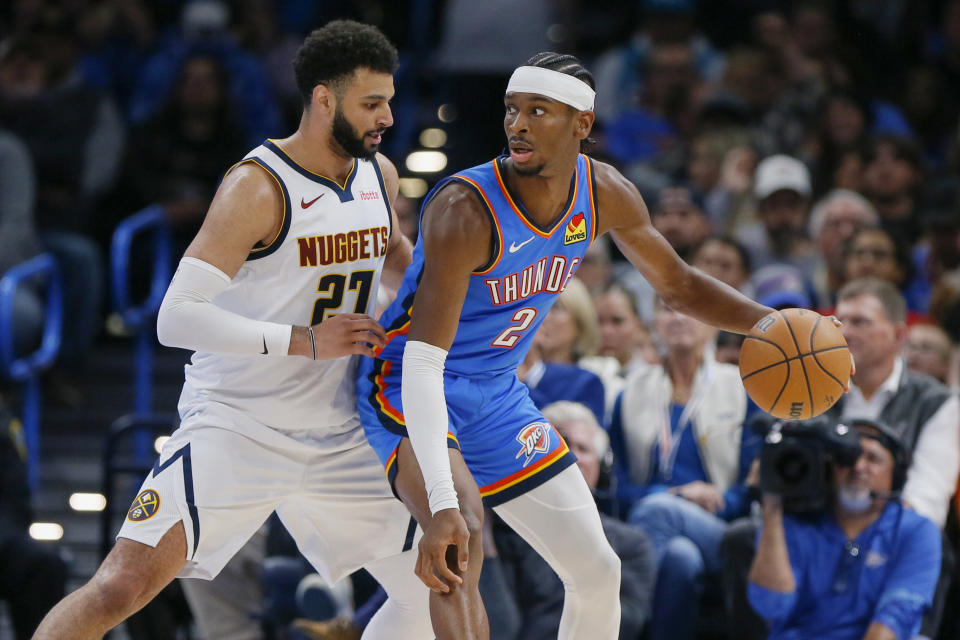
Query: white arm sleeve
[[188, 318], [425, 412]]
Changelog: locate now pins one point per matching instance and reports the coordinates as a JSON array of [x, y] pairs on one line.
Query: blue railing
[[140, 318], [27, 369]]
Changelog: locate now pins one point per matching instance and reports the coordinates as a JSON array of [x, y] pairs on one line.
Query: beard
[[345, 136]]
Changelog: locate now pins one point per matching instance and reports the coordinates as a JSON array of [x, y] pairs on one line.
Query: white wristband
[[425, 412], [188, 318]]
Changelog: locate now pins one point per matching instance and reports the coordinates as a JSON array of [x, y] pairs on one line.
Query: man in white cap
[[782, 190], [441, 403]]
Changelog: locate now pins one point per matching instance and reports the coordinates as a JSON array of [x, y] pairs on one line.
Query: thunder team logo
[[534, 438], [576, 230], [144, 506]]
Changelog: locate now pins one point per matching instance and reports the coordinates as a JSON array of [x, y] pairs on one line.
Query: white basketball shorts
[[223, 485]]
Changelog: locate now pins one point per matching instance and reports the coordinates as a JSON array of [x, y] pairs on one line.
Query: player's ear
[[583, 124], [324, 99]]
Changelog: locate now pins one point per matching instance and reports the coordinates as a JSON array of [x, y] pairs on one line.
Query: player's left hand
[[446, 529]]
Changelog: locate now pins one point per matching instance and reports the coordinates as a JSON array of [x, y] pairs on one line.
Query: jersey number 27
[[334, 285]]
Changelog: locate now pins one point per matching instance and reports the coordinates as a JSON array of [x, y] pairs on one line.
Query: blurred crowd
[[806, 153]]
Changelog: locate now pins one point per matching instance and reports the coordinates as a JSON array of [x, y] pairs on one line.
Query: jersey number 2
[[333, 284], [509, 337]]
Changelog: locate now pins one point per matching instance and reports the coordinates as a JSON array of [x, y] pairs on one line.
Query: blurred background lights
[[87, 502], [413, 187], [426, 161], [447, 113], [46, 531], [433, 138], [159, 442]]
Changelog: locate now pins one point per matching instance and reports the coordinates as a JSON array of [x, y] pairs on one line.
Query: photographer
[[861, 567]]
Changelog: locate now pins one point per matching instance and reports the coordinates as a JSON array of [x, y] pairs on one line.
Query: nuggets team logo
[[576, 230], [534, 438], [144, 506]]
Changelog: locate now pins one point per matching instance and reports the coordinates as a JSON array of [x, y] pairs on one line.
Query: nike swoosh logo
[[304, 205], [514, 247], [264, 346]]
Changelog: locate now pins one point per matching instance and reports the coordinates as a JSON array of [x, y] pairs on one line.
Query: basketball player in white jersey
[[275, 295]]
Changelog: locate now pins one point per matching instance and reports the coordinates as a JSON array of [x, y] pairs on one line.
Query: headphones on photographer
[[891, 442]]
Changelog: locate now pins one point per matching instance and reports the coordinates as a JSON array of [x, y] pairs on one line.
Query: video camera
[[797, 457]]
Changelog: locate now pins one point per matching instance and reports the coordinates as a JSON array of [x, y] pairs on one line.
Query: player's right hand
[[347, 333], [447, 528]]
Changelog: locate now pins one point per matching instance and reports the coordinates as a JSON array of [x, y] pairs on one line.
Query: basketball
[[794, 364]]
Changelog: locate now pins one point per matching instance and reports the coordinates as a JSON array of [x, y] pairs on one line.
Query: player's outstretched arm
[[622, 212], [247, 209], [456, 241]]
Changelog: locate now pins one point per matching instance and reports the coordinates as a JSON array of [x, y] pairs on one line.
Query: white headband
[[553, 84]]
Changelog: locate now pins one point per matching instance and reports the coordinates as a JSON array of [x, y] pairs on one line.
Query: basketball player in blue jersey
[[441, 403], [275, 296]]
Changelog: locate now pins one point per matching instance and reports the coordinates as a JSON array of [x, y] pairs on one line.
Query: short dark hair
[[570, 65], [890, 298], [329, 55], [745, 260], [903, 149]]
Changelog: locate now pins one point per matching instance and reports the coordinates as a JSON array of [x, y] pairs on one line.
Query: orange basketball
[[794, 364]]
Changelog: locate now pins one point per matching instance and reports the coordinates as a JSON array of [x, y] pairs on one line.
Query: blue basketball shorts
[[508, 445]]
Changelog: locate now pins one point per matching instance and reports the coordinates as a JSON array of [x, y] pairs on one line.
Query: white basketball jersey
[[325, 260]]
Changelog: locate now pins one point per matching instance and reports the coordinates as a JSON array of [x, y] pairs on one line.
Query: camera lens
[[793, 467]]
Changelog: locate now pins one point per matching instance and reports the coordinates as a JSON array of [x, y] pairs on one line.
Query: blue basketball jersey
[[509, 297]]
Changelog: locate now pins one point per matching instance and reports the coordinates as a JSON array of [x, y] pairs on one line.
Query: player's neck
[[546, 194], [311, 150]]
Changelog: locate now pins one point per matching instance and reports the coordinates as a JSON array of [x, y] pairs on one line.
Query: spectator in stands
[[928, 350], [781, 286], [681, 458], [620, 70], [892, 180], [18, 241], [34, 577], [256, 28], [845, 121], [726, 260], [666, 111], [865, 567], [204, 31], [572, 332], [718, 170], [177, 157], [782, 189], [550, 368], [875, 253], [680, 220], [835, 219], [623, 335], [537, 591], [919, 410], [596, 269], [74, 135]]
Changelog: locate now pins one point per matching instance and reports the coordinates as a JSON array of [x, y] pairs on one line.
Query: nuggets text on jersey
[[343, 247]]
